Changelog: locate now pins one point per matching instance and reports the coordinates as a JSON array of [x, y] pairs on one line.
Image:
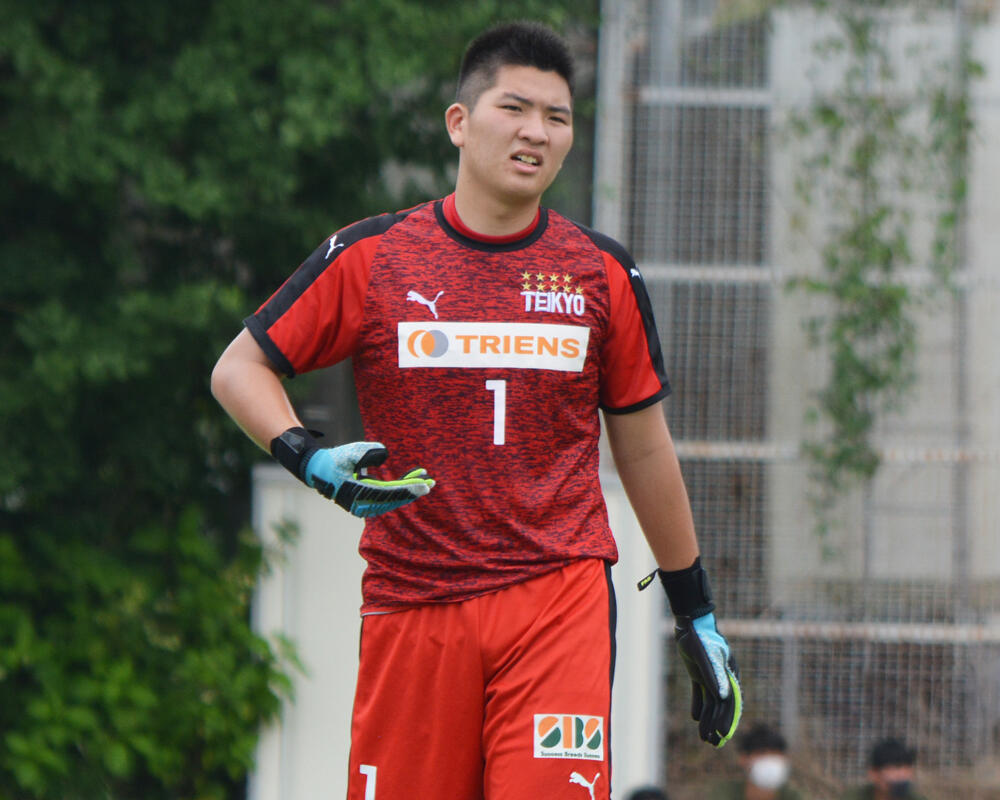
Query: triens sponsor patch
[[480, 345]]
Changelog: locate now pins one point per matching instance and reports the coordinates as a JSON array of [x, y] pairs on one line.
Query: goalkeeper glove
[[337, 472], [716, 698]]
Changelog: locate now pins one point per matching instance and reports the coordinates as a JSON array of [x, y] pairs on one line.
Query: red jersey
[[484, 362]]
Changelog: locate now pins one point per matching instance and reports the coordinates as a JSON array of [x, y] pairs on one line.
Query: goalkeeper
[[486, 333]]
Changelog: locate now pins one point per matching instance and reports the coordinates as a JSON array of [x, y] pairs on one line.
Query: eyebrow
[[531, 103]]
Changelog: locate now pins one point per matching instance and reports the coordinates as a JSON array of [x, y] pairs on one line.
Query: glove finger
[[325, 488], [381, 493], [697, 661], [697, 701], [417, 485], [734, 710], [374, 453], [722, 717], [707, 723], [414, 474], [416, 481], [366, 509], [716, 653]]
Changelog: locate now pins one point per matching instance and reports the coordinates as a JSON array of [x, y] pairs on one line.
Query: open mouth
[[526, 159]]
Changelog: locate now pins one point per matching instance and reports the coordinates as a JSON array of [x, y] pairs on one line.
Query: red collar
[[451, 214]]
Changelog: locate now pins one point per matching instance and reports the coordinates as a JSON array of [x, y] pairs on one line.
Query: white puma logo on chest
[[416, 297]]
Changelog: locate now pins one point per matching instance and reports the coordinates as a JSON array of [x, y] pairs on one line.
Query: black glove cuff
[[688, 590], [294, 448]]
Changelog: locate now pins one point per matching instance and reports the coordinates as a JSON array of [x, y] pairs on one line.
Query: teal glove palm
[[716, 697], [334, 472], [337, 473]]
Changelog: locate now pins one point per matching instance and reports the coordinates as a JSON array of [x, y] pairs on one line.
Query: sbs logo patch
[[569, 736]]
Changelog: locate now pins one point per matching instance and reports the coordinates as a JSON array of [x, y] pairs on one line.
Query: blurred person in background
[[763, 754], [890, 773], [647, 793]]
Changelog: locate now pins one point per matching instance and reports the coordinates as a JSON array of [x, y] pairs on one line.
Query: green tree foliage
[[162, 167]]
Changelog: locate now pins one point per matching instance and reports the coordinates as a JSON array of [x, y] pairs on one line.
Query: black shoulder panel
[[320, 260], [625, 261], [307, 274]]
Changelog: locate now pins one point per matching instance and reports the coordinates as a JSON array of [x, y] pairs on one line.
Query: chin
[[525, 192]]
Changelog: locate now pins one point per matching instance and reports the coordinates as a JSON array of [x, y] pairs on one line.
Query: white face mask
[[769, 772]]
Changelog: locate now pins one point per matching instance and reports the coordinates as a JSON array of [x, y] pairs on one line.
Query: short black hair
[[762, 738], [647, 793], [892, 752], [515, 44]]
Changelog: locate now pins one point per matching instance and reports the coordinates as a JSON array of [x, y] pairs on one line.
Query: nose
[[533, 129]]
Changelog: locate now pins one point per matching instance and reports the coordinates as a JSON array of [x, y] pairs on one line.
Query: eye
[[511, 108]]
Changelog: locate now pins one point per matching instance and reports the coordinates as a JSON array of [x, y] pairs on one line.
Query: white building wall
[[984, 304], [914, 521], [312, 596]]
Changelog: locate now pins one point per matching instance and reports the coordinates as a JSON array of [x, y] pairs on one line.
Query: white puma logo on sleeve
[[334, 244]]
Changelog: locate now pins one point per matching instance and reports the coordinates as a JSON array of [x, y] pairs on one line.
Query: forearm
[[651, 474], [248, 388]]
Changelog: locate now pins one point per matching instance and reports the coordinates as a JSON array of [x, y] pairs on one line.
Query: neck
[[751, 792], [493, 216]]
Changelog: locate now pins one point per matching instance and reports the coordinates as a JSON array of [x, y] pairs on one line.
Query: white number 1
[[369, 772], [499, 389]]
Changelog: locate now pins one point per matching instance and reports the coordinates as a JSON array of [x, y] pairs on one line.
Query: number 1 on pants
[[499, 389], [369, 772]]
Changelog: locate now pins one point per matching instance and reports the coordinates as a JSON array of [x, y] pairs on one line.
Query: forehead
[[540, 86], [754, 755], [894, 771]]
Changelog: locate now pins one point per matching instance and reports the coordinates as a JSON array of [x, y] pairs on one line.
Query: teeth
[[526, 159]]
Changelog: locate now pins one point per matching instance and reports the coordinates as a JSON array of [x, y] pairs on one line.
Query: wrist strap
[[688, 590], [294, 448]]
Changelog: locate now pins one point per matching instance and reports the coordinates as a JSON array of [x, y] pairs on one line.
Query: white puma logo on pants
[[578, 779]]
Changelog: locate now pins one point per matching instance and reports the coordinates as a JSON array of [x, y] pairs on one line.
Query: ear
[[455, 118]]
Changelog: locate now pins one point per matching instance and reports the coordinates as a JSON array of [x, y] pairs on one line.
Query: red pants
[[502, 697]]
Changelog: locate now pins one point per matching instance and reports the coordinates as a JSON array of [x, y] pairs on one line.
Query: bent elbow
[[221, 379]]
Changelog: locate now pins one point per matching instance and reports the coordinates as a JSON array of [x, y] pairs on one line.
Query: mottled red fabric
[[500, 513]]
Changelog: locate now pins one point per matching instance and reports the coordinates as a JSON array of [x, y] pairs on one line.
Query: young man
[[890, 773], [485, 333], [764, 760]]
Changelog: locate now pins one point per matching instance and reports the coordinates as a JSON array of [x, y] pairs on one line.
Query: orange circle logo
[[433, 344]]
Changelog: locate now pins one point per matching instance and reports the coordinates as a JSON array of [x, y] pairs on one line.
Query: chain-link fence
[[885, 620]]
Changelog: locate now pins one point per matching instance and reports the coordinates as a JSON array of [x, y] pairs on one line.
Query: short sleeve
[[632, 372], [312, 320]]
